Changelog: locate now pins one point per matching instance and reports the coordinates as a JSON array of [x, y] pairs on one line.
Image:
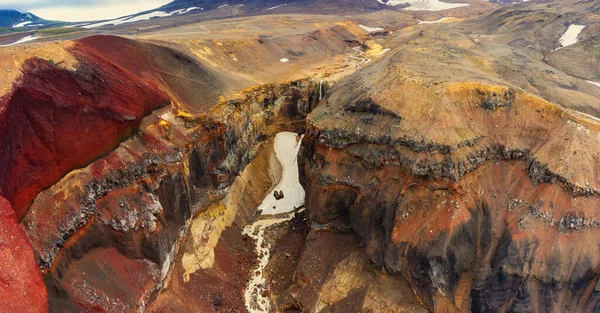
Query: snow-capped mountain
[[16, 19]]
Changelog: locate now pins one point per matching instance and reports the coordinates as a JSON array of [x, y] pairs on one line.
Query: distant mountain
[[16, 19], [240, 8], [265, 5], [508, 1], [215, 9]]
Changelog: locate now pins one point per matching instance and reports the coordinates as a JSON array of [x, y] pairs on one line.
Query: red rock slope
[[55, 120], [21, 284]]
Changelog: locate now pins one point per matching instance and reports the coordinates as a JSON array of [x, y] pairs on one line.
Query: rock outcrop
[[481, 196], [121, 217], [105, 180]]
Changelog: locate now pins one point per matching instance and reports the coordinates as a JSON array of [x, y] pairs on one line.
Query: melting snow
[[143, 17], [76, 25], [371, 29], [284, 60], [275, 7], [22, 40], [593, 83], [424, 5], [286, 147], [571, 35], [21, 24]]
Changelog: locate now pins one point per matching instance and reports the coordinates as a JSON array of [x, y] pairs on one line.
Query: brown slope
[[193, 84]]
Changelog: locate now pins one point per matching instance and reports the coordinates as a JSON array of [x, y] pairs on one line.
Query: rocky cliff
[[105, 183], [483, 197], [122, 217]]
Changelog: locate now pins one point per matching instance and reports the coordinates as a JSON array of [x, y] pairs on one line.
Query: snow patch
[[188, 10], [22, 24], [571, 36], [371, 29], [22, 40], [593, 83], [275, 7], [436, 21], [286, 147], [284, 60], [143, 17], [75, 25], [424, 5], [222, 6]]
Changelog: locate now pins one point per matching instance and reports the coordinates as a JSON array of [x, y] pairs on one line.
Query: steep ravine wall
[[105, 235], [489, 226]]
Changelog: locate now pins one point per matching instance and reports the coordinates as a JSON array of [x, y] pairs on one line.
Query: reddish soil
[[56, 120], [21, 284], [106, 281], [187, 80]]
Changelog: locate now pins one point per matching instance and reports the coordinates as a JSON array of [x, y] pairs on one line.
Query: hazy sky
[[81, 10]]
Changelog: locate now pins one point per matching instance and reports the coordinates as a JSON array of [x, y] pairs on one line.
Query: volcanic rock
[[20, 280], [429, 183]]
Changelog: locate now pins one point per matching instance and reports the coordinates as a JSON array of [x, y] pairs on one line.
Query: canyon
[[305, 157]]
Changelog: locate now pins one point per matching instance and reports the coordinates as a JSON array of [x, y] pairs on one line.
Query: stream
[[286, 146]]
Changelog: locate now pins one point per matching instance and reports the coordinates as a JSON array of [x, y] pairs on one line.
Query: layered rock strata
[[482, 197]]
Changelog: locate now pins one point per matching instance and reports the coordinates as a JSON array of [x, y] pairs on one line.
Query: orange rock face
[[494, 213], [21, 284]]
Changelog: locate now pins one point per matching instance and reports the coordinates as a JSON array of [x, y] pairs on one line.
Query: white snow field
[[424, 5], [22, 40], [143, 17], [571, 36], [371, 29]]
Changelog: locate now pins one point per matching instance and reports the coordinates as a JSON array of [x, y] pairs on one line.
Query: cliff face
[[457, 177], [482, 197], [106, 177], [121, 218]]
